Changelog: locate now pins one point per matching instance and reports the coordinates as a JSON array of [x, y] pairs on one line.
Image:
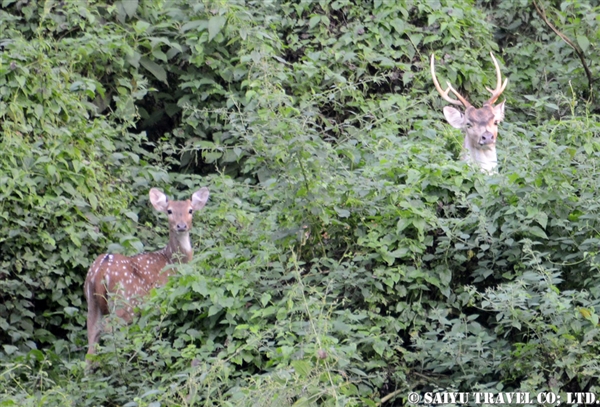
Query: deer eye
[[191, 211], [469, 125], [170, 212], [496, 123]]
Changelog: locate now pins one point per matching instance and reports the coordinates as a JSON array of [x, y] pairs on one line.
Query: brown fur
[[131, 278]]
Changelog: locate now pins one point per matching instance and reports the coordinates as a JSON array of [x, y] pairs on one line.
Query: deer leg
[[94, 329], [94, 320]]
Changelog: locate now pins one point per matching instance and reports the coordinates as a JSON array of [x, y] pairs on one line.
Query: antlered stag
[[131, 278], [480, 126]]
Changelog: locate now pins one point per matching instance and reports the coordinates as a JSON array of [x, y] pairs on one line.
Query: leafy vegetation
[[346, 257]]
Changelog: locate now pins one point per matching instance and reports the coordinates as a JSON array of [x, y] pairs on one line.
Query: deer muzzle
[[486, 139], [182, 227]]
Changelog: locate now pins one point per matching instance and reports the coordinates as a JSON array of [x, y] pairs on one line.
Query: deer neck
[[179, 249], [485, 157]]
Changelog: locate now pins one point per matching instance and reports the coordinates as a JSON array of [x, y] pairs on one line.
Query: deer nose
[[182, 227], [486, 138]]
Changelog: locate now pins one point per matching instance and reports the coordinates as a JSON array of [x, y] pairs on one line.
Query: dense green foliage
[[345, 256]]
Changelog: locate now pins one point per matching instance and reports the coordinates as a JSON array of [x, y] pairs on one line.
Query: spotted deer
[[131, 278], [480, 126]]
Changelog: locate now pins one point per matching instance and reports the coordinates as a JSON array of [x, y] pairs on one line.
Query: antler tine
[[461, 100], [499, 85], [464, 101]]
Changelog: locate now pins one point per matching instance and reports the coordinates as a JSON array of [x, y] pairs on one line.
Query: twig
[[391, 395], [566, 39]]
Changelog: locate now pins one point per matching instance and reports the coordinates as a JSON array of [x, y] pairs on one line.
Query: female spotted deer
[[480, 126], [131, 278]]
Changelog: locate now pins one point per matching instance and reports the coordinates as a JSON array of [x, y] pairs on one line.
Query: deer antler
[[499, 89], [461, 100]]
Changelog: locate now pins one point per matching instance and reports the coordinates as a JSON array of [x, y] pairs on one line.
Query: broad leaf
[[155, 69], [215, 24]]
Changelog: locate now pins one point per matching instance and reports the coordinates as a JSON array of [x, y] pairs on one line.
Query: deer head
[[480, 126]]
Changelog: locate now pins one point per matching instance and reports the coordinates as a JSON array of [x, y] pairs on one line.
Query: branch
[[391, 395], [566, 39]]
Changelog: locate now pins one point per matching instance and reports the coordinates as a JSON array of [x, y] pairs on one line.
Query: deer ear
[[199, 198], [499, 111], [159, 200], [454, 117]]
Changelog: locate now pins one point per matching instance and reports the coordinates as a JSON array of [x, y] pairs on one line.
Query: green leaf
[[39, 111], [75, 239], [141, 26], [399, 25], [400, 253], [302, 402], [537, 231], [130, 6], [342, 213], [150, 393], [215, 24], [132, 215], [155, 69], [379, 347], [583, 42], [71, 311], [10, 349], [200, 287], [158, 54], [93, 201], [211, 156], [402, 224], [302, 367], [37, 354], [542, 219], [387, 257], [314, 20], [134, 59], [265, 298], [200, 24], [214, 309]]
